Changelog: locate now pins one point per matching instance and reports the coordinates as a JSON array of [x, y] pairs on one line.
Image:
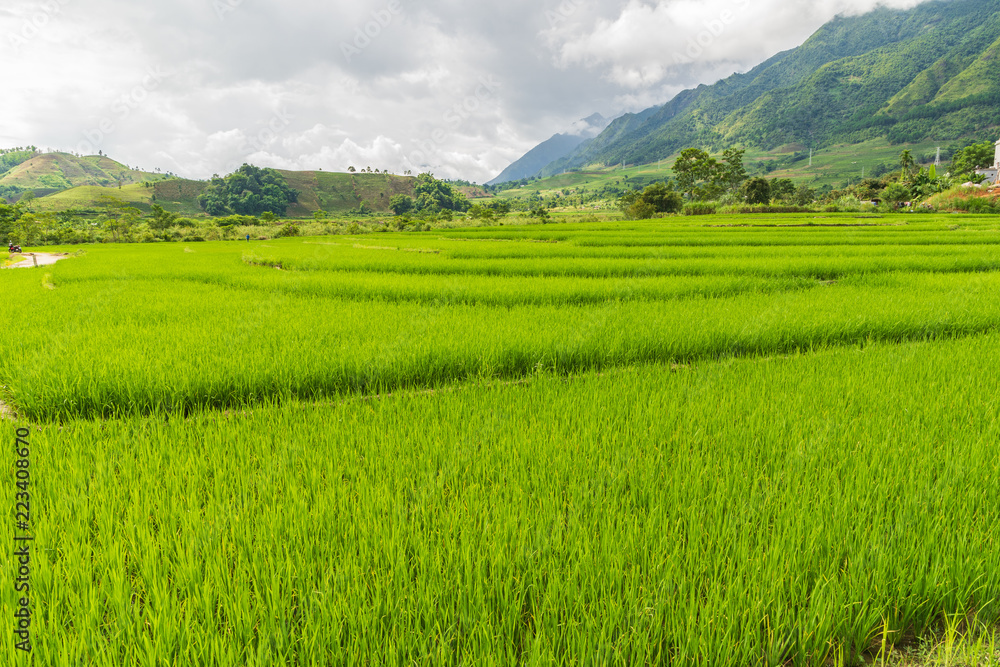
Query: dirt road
[[31, 259]]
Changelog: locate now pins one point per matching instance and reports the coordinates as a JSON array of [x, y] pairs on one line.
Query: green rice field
[[766, 440]]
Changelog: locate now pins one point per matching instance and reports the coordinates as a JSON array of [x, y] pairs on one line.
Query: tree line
[[699, 177]]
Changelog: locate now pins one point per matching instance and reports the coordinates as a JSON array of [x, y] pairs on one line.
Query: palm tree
[[907, 163]]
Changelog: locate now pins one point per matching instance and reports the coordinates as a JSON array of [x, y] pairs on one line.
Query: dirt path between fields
[[32, 259], [6, 412]]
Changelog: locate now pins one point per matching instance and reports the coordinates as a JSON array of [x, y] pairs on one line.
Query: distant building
[[992, 174], [996, 164]]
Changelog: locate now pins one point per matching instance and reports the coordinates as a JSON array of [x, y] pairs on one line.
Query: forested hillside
[[929, 73]]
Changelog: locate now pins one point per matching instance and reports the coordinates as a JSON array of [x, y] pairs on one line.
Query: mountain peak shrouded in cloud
[[390, 84], [555, 148], [590, 126]]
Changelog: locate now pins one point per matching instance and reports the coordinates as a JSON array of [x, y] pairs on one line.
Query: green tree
[[119, 218], [656, 198], [804, 195], [433, 195], [692, 167], [896, 193], [480, 212], [732, 173], [540, 212], [641, 210], [9, 215], [161, 219], [663, 198], [27, 229], [965, 162], [629, 204], [249, 190], [500, 206], [906, 163], [782, 189], [757, 190], [400, 204], [927, 182]]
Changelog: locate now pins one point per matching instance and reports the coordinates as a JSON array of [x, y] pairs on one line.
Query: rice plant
[[598, 443]]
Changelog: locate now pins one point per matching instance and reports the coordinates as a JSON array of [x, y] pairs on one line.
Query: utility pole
[[810, 158]]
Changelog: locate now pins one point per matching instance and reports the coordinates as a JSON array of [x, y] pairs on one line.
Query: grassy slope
[[89, 197], [52, 172], [340, 193], [63, 181], [331, 192]]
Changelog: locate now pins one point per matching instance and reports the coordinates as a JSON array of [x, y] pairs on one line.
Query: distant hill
[[551, 150], [11, 157], [342, 193], [49, 173], [924, 74], [318, 190]]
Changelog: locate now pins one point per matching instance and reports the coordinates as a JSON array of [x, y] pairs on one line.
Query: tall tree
[[400, 204], [732, 173], [757, 190], [119, 217], [691, 167], [907, 163]]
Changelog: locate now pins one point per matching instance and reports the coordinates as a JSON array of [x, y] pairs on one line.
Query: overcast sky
[[454, 87]]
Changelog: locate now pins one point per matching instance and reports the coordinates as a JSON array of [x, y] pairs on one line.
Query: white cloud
[[649, 43], [262, 80]]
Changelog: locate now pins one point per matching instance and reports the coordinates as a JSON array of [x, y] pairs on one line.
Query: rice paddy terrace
[[702, 441]]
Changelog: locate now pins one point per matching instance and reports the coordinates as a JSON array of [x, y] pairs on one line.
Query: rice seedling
[[645, 443], [772, 511]]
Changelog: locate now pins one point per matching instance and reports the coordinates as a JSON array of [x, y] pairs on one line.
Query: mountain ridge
[[554, 148], [927, 73]]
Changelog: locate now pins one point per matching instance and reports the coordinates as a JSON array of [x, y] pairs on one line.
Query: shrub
[[851, 204], [967, 200], [640, 210], [700, 208], [238, 220], [764, 208]]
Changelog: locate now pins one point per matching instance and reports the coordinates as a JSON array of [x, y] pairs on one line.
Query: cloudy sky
[[458, 88]]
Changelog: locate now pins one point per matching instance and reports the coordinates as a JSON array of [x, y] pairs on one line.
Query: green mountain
[[925, 74]]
